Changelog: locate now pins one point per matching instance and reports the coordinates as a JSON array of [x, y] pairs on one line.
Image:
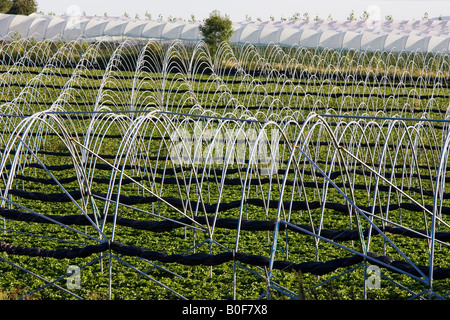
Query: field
[[156, 171]]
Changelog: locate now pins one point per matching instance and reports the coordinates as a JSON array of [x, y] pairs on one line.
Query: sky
[[240, 10]]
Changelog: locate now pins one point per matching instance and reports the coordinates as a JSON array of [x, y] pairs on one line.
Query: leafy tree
[[365, 16], [5, 5], [351, 17], [295, 17], [23, 7], [216, 29]]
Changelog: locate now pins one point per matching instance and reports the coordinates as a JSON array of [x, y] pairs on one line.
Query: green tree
[[365, 16], [216, 29], [5, 5], [351, 17], [23, 7], [295, 17]]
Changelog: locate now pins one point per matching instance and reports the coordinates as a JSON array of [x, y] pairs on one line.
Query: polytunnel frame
[[221, 184], [305, 155], [433, 214], [25, 126], [132, 132], [117, 168], [428, 279], [278, 218], [253, 149]]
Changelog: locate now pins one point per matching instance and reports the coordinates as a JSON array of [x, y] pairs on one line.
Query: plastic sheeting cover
[[411, 36]]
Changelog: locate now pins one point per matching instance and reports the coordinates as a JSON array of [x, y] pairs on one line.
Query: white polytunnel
[[390, 35], [55, 28], [250, 34], [237, 33], [395, 42], [190, 31], [373, 42], [310, 38], [172, 30], [76, 28], [438, 44], [351, 40], [152, 30], [113, 28], [416, 43], [331, 39], [290, 36], [96, 27], [134, 29], [269, 34], [21, 24], [5, 20], [37, 27]]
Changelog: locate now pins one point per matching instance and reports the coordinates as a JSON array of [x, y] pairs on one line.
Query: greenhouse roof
[[411, 36]]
